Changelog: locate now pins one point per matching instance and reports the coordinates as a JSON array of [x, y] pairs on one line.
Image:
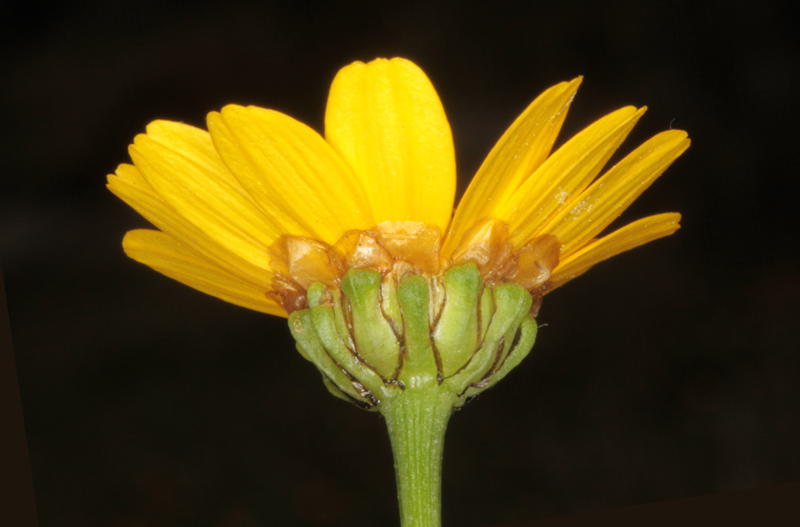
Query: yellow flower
[[260, 206]]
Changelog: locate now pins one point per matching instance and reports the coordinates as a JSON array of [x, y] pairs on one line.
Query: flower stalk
[[417, 423]]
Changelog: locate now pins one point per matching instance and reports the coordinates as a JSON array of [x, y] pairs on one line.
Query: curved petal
[[565, 174], [387, 121], [603, 202], [162, 253], [517, 154], [129, 185], [628, 237], [182, 166], [298, 180]]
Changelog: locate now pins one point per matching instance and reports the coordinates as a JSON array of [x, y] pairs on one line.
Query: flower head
[[260, 207]]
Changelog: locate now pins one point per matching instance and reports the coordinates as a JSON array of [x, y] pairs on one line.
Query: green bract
[[377, 337]]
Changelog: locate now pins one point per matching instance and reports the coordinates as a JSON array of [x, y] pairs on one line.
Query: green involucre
[[375, 339]]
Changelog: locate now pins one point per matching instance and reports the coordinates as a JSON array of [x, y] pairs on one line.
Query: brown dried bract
[[405, 247], [361, 250], [413, 242], [486, 245], [535, 262]]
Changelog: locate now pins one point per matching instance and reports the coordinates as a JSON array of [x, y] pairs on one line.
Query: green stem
[[417, 421]]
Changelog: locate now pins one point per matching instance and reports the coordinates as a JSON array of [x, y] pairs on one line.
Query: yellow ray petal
[[628, 237], [162, 253], [182, 166], [517, 154], [289, 169], [387, 121], [567, 172], [601, 203], [129, 185]]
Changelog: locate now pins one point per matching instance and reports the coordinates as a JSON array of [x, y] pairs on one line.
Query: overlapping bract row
[[377, 336]]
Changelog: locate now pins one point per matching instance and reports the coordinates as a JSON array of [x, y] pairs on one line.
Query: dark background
[[671, 371]]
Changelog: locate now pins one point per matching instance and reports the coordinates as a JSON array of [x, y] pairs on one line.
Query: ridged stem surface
[[417, 421]]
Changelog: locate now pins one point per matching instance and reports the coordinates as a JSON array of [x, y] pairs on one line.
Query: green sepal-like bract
[[378, 336]]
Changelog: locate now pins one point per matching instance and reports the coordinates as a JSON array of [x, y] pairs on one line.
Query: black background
[[670, 371]]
